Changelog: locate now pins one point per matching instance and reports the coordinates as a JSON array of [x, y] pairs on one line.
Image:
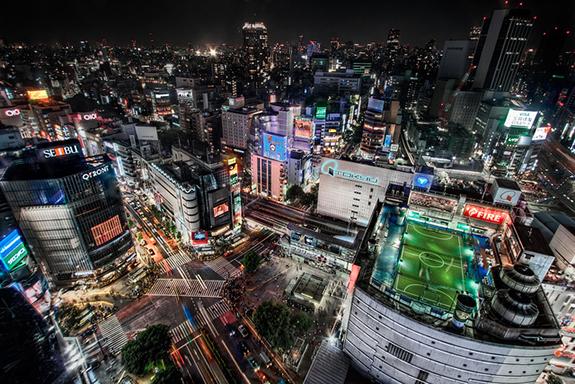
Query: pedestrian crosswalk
[[188, 287], [224, 268], [113, 336], [218, 309], [177, 259], [182, 332]]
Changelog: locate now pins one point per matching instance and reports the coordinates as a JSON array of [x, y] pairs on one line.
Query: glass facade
[[75, 223]]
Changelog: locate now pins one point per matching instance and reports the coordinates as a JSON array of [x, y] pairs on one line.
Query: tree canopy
[[147, 350], [278, 325], [251, 261]]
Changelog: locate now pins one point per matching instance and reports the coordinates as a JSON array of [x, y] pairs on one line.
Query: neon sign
[[88, 116], [330, 167], [96, 172], [12, 112], [489, 215], [61, 151]]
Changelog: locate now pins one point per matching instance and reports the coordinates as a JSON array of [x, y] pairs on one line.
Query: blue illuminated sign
[[275, 147], [423, 181], [387, 142]]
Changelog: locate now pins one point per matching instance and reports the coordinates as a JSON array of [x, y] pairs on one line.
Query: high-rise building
[[30, 353], [406, 323], [237, 124], [455, 60], [499, 49], [256, 52], [269, 177], [70, 211], [373, 134]]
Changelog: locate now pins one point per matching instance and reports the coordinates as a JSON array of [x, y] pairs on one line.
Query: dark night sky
[[212, 21]]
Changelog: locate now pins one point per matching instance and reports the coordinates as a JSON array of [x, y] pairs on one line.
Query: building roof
[[532, 239], [508, 183], [330, 365]]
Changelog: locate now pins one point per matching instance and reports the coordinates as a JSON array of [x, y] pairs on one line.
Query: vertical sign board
[[12, 250]]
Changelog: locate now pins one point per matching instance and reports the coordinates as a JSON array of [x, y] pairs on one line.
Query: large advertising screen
[[523, 119], [320, 112], [303, 128], [489, 215], [12, 250], [38, 94], [221, 209], [106, 231], [275, 147], [425, 200], [199, 238]]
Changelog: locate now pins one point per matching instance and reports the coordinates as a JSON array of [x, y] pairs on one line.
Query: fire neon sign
[[490, 215]]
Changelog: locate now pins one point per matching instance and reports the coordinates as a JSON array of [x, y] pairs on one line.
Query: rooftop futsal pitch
[[432, 266]]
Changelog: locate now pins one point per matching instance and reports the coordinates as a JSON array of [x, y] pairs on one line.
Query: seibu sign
[[490, 215], [12, 112], [64, 150]]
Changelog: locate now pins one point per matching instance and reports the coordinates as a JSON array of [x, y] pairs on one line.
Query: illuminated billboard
[[303, 128], [101, 170], [275, 147], [11, 112], [38, 94], [199, 238], [423, 181], [387, 141], [523, 119], [12, 250], [541, 133], [425, 200], [61, 151], [88, 116], [489, 215], [221, 209], [320, 112], [108, 230]]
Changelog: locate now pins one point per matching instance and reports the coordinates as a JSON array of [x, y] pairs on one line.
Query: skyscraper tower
[[256, 52], [392, 46], [503, 38]]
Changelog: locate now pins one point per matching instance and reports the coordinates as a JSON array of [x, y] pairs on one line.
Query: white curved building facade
[[390, 347]]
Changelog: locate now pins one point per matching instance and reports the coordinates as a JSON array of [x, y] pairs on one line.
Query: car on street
[[253, 363], [243, 331]]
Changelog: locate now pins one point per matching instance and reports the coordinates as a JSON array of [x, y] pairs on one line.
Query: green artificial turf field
[[432, 266]]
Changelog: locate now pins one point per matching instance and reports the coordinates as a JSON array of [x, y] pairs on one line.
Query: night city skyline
[[219, 22]]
